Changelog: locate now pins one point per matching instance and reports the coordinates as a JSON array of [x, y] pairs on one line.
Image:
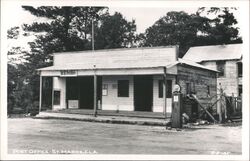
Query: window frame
[[160, 88], [240, 66], [208, 90], [219, 65], [188, 88], [121, 91], [168, 88], [54, 98], [104, 88], [240, 90]]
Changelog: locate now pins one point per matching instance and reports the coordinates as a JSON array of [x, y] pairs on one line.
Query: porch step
[[103, 119], [236, 118], [138, 114]]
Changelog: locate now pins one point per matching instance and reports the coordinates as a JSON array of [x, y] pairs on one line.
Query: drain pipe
[[165, 92], [95, 92]]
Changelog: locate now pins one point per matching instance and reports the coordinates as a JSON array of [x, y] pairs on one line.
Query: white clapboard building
[[131, 79]]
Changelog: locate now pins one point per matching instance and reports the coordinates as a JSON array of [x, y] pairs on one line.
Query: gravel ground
[[36, 136]]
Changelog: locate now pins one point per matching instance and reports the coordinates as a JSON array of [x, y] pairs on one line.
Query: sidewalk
[[103, 119]]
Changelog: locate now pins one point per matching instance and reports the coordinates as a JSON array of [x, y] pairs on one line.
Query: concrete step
[[138, 114], [103, 119]]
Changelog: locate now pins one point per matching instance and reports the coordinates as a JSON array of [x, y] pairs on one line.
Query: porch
[[138, 114], [119, 95]]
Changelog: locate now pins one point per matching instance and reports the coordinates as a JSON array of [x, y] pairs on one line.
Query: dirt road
[[35, 136]]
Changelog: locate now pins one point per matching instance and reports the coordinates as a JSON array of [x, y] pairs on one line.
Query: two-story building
[[135, 79], [225, 58]]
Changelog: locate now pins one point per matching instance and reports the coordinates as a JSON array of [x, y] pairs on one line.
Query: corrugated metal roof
[[90, 67], [138, 65], [216, 52], [190, 63]]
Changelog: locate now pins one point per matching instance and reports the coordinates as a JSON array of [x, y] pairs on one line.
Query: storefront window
[[57, 94], [123, 88], [168, 90]]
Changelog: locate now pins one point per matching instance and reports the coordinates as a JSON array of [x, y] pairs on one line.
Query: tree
[[19, 92], [180, 28], [222, 30], [115, 32], [69, 28], [176, 28], [12, 83], [13, 32], [66, 29]]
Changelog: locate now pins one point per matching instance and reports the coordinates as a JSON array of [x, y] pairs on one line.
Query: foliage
[[66, 29], [19, 93], [115, 32], [13, 32], [180, 28]]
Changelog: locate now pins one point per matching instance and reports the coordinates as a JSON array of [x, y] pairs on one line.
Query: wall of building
[[59, 83], [229, 82], [158, 103], [200, 81], [112, 101]]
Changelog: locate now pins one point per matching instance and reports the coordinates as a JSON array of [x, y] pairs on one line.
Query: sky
[[144, 17], [14, 15]]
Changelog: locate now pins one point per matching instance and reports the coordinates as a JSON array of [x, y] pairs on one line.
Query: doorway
[[82, 89], [143, 93]]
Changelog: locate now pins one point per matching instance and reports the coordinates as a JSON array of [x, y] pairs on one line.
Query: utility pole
[[93, 39], [165, 92], [40, 94], [95, 76], [220, 105]]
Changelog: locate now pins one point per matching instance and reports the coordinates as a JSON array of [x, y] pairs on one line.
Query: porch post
[[40, 94], [95, 93], [165, 93]]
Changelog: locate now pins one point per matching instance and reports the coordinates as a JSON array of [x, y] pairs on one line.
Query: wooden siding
[[112, 101], [229, 82], [199, 80], [60, 84], [158, 103]]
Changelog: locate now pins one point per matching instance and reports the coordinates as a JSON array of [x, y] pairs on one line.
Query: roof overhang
[[110, 71], [75, 70]]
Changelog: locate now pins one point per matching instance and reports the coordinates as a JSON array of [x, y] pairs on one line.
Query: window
[[192, 88], [123, 88], [240, 90], [105, 89], [188, 88], [239, 69], [57, 97], [168, 90], [221, 67], [160, 91], [208, 90]]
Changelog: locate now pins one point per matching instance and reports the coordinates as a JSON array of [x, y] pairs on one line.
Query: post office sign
[[68, 73]]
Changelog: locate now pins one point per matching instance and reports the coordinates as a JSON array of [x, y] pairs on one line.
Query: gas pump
[[176, 118]]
